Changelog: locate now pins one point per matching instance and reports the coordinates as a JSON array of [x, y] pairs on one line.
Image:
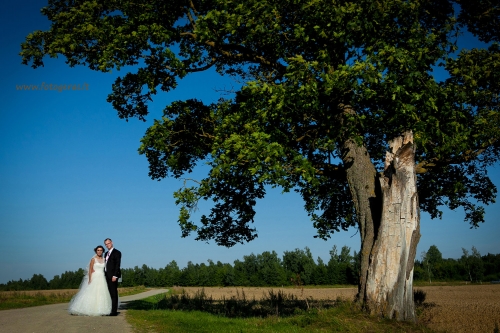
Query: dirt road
[[55, 318]]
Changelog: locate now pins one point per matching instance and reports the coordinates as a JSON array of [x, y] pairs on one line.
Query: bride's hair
[[99, 247]]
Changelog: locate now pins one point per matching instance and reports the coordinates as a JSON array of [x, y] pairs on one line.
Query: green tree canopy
[[434, 256], [302, 61]]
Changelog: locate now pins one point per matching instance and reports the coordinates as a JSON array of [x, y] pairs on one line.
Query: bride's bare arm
[[91, 269]]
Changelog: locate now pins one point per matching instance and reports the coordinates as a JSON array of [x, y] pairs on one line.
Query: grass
[[29, 298], [169, 313], [132, 290], [442, 283], [24, 299], [324, 286]]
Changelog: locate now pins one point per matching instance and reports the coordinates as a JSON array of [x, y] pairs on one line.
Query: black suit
[[113, 269]]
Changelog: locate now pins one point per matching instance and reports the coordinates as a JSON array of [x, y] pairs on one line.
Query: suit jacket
[[113, 264]]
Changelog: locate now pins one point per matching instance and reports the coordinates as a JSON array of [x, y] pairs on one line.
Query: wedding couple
[[98, 294]]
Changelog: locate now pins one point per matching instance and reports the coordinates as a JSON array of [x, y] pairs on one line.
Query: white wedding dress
[[92, 299]]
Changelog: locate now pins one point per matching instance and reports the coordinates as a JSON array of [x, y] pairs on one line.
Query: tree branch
[[426, 166], [243, 55]]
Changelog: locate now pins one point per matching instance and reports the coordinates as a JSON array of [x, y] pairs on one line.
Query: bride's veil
[[85, 281]]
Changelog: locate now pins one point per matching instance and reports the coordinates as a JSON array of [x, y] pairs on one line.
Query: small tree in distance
[[473, 264], [425, 261], [434, 255]]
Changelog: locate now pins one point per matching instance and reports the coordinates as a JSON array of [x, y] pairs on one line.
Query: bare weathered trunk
[[389, 222], [389, 285]]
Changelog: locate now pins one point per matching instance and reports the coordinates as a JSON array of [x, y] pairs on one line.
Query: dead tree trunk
[[389, 283], [389, 223], [388, 217]]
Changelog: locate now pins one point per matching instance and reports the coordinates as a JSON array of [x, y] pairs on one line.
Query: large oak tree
[[339, 103]]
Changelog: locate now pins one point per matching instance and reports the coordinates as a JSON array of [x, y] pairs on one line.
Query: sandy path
[[55, 318]]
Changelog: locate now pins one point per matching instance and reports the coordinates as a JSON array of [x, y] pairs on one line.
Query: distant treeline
[[470, 267], [295, 268]]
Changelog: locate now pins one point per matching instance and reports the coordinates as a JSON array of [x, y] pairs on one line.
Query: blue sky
[[70, 176]]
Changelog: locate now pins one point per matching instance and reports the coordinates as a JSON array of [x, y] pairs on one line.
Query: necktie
[[107, 256]]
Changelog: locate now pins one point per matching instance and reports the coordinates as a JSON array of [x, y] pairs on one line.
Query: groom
[[113, 259]]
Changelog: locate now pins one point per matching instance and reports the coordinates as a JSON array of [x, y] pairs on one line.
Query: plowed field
[[467, 308], [259, 292]]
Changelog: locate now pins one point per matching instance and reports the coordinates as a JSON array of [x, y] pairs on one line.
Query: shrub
[[419, 297], [273, 303]]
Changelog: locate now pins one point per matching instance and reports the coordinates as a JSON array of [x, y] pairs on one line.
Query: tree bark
[[362, 177], [389, 285], [389, 222]]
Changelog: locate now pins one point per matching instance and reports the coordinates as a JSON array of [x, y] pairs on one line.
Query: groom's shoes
[[113, 314]]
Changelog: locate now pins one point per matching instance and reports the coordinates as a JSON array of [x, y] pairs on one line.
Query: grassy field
[[280, 310], [341, 319], [448, 308], [23, 299]]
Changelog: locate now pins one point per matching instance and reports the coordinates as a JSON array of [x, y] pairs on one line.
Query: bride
[[93, 297]]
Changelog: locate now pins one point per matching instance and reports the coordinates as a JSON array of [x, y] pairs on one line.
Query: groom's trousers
[[113, 292]]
